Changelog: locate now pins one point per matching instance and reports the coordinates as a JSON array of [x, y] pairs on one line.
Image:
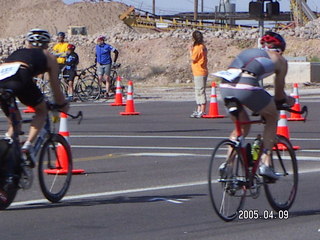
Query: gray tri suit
[[257, 65]]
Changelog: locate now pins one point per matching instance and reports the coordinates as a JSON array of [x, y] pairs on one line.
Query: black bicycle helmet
[[38, 37], [275, 39], [61, 34]]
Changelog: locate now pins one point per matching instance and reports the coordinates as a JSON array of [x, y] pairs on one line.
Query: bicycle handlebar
[[286, 107], [79, 115], [56, 107]]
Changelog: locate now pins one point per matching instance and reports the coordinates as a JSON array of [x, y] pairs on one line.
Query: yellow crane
[[301, 12]]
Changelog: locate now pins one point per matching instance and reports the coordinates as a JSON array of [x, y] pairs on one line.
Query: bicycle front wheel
[[55, 168], [281, 194], [227, 180], [88, 89]]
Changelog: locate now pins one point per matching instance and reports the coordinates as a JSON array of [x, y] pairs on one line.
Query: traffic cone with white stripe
[[62, 161], [118, 97], [296, 106], [29, 110], [283, 129], [214, 109], [130, 110]]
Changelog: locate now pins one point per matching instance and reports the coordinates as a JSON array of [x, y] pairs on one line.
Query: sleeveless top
[[34, 57], [255, 62]]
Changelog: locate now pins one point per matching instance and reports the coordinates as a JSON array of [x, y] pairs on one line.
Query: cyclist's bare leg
[[243, 117], [38, 121], [107, 78], [270, 114], [70, 88], [9, 133]]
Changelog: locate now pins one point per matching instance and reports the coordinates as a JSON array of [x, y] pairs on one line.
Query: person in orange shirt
[[198, 55]]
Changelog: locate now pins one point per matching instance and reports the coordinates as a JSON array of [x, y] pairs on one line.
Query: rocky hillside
[[146, 56]]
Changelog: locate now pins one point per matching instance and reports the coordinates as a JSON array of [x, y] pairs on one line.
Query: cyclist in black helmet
[[241, 80], [17, 74]]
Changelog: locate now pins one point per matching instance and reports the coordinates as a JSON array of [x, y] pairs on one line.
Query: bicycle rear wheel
[[227, 180], [281, 194], [88, 89], [55, 168], [45, 88]]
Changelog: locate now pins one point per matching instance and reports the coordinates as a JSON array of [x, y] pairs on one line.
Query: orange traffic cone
[[283, 129], [29, 110], [118, 97], [214, 109], [62, 161], [130, 103], [296, 106]]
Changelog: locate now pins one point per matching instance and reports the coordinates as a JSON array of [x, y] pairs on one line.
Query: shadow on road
[[173, 199]]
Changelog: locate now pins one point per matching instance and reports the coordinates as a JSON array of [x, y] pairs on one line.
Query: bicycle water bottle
[[255, 150]]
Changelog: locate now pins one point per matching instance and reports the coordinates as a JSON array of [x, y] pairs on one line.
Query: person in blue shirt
[[70, 70], [104, 61]]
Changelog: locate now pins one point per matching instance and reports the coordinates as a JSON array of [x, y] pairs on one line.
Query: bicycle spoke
[[226, 180]]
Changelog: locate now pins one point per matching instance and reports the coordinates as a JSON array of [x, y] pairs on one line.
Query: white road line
[[140, 147], [174, 137], [135, 190], [299, 157], [166, 155]]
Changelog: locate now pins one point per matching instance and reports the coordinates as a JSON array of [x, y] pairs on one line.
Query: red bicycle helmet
[[101, 38], [275, 39], [71, 46]]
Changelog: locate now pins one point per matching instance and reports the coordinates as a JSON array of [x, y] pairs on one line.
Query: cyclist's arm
[[281, 69], [116, 54], [53, 71]]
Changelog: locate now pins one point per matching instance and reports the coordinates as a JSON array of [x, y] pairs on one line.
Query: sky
[[176, 6]]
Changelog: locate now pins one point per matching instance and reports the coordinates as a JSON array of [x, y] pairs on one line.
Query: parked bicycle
[[233, 170], [87, 86], [54, 168], [44, 85]]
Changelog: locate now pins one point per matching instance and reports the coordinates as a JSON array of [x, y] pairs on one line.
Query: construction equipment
[[301, 12]]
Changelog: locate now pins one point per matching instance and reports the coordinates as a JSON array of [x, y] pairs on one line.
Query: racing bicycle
[[87, 86], [51, 149], [233, 170]]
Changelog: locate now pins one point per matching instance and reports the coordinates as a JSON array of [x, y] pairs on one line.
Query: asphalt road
[[145, 178]]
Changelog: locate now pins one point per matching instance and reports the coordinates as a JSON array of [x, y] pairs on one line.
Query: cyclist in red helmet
[[241, 80], [70, 71]]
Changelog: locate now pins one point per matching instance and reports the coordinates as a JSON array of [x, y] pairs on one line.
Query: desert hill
[[146, 56], [18, 16]]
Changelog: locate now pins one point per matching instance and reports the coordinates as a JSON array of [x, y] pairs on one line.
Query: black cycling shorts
[[24, 88], [70, 73]]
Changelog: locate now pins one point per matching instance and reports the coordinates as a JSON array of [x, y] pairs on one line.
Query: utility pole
[[202, 6], [154, 7], [195, 15]]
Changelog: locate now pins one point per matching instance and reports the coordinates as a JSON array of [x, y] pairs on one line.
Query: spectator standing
[[72, 60], [60, 50], [104, 61], [198, 55]]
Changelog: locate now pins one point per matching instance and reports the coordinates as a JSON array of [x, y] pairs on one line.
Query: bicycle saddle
[[233, 105]]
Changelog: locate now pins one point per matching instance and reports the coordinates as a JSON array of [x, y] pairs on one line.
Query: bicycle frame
[[243, 149]]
